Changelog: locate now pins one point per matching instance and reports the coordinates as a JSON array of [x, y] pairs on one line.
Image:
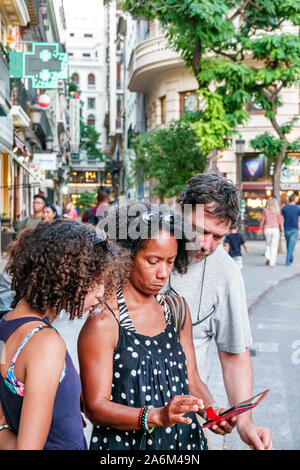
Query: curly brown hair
[[57, 263]]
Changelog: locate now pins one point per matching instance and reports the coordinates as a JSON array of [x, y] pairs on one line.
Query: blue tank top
[[66, 430]]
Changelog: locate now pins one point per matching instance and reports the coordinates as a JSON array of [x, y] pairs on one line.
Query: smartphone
[[234, 411]]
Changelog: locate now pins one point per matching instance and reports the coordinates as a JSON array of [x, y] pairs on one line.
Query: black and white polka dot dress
[[148, 371]]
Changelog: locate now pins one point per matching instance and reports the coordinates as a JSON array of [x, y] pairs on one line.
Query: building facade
[[85, 44]]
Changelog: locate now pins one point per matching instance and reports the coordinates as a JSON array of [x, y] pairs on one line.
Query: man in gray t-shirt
[[217, 282], [214, 278]]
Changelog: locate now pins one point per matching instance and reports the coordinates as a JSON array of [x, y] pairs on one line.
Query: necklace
[[171, 291]]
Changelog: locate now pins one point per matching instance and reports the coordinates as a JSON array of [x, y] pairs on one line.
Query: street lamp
[[240, 146], [240, 150]]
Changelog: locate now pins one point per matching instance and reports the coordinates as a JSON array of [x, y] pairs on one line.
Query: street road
[[275, 325]]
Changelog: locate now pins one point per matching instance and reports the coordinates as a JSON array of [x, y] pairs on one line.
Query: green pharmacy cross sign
[[44, 65]]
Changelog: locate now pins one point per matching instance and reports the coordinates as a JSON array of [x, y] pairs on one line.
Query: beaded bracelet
[[143, 418], [5, 426]]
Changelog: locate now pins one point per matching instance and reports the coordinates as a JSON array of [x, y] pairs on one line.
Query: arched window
[[75, 78], [91, 80], [91, 120]]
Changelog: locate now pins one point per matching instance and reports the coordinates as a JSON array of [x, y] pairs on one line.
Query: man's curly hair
[[54, 265], [221, 197]]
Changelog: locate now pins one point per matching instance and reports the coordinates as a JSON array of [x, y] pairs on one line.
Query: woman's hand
[[223, 427], [174, 411]]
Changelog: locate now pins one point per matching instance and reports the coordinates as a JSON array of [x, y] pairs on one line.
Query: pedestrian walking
[[141, 387], [233, 243], [70, 212], [39, 202], [62, 265], [49, 212], [96, 213], [291, 214], [214, 289], [58, 210], [271, 221]]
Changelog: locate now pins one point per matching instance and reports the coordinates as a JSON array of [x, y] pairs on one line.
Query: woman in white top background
[[272, 223]]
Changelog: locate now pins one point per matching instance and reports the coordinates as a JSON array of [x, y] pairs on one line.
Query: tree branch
[[243, 7], [196, 61], [239, 10]]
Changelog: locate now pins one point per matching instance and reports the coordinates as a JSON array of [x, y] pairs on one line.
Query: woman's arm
[[262, 222], [96, 343], [44, 365], [280, 222], [8, 439]]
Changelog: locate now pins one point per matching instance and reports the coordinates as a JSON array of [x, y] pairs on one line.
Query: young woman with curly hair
[[138, 372], [55, 266]]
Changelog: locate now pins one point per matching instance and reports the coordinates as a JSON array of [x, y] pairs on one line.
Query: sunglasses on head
[[169, 218]]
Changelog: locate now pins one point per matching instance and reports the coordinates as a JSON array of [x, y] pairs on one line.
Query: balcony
[[17, 12], [19, 101], [41, 124], [35, 30], [149, 58]]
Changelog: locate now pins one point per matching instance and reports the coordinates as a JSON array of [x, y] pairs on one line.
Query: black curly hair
[[55, 265], [132, 233]]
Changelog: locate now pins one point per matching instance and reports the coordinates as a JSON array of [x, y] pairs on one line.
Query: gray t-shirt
[[223, 306]]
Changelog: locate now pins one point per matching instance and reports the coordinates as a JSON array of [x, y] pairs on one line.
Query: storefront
[[255, 174], [290, 178], [6, 198]]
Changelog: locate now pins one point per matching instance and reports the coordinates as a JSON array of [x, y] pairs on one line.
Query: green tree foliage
[[240, 51], [89, 141], [169, 155], [85, 201]]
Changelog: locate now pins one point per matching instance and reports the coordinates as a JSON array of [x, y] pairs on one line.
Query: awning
[[8, 151]]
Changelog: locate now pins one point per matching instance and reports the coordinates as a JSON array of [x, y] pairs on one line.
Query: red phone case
[[234, 411]]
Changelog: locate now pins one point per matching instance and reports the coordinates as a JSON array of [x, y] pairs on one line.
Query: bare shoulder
[[48, 341], [100, 325], [47, 348]]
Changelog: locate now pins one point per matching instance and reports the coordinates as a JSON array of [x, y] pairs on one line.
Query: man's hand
[[258, 438], [223, 427]]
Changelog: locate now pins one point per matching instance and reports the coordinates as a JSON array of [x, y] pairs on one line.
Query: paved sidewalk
[[259, 280]]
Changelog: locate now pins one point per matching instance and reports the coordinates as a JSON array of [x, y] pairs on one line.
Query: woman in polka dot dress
[[130, 356]]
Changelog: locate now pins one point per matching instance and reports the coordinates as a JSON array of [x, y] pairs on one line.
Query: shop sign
[[49, 183], [290, 174], [256, 203], [290, 186], [74, 125], [255, 168], [46, 161], [44, 65]]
